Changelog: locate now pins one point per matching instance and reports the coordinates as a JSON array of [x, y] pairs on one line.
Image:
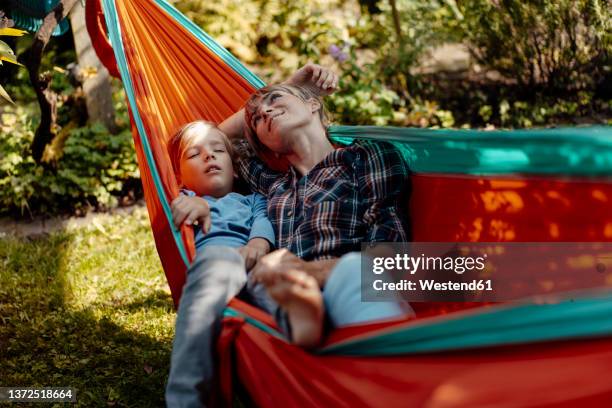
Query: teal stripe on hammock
[[231, 312], [579, 151], [496, 326], [114, 32]]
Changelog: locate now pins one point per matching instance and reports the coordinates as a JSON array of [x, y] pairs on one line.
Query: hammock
[[536, 185]]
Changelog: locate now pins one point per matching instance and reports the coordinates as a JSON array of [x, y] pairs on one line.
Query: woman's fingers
[[316, 73], [322, 78], [329, 81]]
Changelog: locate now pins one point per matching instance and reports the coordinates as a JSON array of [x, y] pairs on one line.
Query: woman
[[323, 205]]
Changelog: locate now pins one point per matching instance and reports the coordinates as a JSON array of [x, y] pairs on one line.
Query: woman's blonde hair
[[251, 105], [183, 138]]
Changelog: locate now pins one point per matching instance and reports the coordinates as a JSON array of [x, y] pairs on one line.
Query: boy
[[228, 226]]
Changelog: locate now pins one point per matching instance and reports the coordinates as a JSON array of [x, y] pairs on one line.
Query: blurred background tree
[[426, 63]]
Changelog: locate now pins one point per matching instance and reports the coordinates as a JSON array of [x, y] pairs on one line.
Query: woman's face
[[279, 117]]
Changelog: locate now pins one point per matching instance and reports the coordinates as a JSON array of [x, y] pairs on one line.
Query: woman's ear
[[315, 105]]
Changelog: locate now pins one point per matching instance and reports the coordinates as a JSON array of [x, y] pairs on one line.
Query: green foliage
[[561, 45], [362, 99], [87, 308], [6, 52], [91, 169], [276, 36]]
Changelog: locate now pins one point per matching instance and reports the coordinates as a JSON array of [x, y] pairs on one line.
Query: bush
[[560, 46], [93, 169]]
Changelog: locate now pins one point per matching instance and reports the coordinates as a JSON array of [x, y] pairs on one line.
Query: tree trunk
[[396, 24], [47, 99], [93, 75]]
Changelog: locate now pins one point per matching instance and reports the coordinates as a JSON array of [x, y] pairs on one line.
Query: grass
[[90, 309]]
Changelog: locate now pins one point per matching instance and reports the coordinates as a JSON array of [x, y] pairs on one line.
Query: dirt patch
[[41, 226]]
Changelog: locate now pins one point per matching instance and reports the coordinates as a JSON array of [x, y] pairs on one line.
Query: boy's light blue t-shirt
[[235, 219]]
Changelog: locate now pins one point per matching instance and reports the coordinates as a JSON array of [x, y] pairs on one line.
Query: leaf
[[5, 95], [14, 32], [7, 54]]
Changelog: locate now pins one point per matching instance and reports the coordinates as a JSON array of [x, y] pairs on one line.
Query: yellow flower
[[14, 32]]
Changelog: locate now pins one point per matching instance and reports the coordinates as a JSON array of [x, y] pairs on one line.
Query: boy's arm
[[318, 79], [262, 227], [261, 238]]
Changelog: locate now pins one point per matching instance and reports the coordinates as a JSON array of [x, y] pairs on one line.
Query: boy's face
[[206, 165]]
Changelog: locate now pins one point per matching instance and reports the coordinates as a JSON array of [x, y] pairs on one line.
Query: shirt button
[[289, 213]]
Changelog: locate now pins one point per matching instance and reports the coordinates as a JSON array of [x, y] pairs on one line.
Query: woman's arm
[[233, 126], [320, 80]]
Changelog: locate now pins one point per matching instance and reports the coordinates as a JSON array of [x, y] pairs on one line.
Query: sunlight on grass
[[90, 309]]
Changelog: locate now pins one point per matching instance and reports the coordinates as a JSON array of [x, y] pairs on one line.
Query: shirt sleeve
[[262, 227], [384, 184], [257, 175]]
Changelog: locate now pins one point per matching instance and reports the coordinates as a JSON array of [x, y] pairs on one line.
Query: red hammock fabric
[[562, 374], [176, 79]]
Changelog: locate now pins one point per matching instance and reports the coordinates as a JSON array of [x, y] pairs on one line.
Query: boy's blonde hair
[[182, 139], [251, 105]]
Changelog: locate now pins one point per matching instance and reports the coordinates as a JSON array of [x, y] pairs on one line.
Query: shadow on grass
[[45, 341], [157, 300]]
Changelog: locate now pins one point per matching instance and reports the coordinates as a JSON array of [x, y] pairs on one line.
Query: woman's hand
[[321, 80], [253, 250], [191, 211], [272, 267]]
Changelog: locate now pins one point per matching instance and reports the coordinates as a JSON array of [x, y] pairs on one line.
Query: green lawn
[[89, 309]]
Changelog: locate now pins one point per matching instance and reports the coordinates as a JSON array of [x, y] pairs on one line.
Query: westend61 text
[[432, 285]]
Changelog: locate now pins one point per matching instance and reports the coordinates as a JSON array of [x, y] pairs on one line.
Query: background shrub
[[94, 169]]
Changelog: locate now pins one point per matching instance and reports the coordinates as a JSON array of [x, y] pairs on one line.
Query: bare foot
[[300, 296]]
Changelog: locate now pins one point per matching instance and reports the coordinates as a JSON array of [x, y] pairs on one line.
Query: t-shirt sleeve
[[262, 227], [258, 176], [384, 184]]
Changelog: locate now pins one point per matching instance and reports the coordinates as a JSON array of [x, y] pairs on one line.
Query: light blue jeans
[[217, 275]]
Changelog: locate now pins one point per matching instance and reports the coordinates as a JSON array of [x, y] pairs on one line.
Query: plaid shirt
[[352, 196]]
